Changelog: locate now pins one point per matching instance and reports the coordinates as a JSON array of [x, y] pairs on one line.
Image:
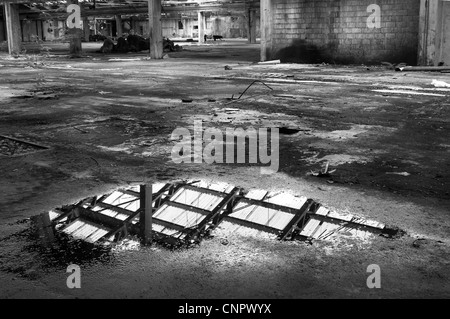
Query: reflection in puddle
[[37, 249], [173, 215]]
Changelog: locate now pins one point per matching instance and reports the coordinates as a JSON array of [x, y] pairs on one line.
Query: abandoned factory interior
[[224, 149]]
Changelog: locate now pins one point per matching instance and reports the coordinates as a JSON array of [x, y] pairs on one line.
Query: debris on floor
[[10, 146], [270, 62], [423, 69], [440, 84], [325, 172], [406, 174]]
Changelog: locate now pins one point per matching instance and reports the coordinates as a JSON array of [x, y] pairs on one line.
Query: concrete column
[[86, 29], [266, 29], [13, 28], [155, 29], [201, 27], [430, 32], [55, 27], [133, 21], [251, 26], [74, 35], [119, 31]]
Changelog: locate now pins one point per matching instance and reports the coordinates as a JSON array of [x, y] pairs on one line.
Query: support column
[[155, 29], [133, 21], [55, 29], [266, 29], [119, 31], [201, 27], [86, 29], [146, 215], [251, 26], [430, 32], [13, 28], [74, 32]]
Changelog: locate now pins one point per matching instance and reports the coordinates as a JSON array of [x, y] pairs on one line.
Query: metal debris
[[256, 81], [270, 62], [325, 172]]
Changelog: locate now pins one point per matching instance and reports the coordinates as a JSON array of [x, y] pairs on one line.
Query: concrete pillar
[[74, 34], [251, 26], [133, 21], [430, 32], [86, 29], [155, 29], [201, 27], [266, 29], [55, 27], [119, 31], [13, 28]]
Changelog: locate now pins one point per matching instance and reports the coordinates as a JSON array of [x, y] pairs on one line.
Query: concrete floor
[[108, 125]]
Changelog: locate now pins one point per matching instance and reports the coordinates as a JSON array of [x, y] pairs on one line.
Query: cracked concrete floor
[[108, 124]]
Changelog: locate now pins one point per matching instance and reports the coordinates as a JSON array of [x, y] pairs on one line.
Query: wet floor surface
[[108, 124]]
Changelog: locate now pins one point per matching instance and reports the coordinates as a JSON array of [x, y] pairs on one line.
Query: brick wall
[[337, 31]]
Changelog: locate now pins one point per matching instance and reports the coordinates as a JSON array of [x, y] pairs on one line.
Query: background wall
[[337, 31], [234, 26]]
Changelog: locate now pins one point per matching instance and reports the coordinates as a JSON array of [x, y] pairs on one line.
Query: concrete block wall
[[230, 26], [226, 26], [337, 31]]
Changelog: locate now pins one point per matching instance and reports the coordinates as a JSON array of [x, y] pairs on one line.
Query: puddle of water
[[28, 254], [40, 247]]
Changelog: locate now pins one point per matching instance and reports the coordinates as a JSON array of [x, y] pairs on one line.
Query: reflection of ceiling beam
[[175, 9], [40, 12], [48, 9], [139, 2]]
